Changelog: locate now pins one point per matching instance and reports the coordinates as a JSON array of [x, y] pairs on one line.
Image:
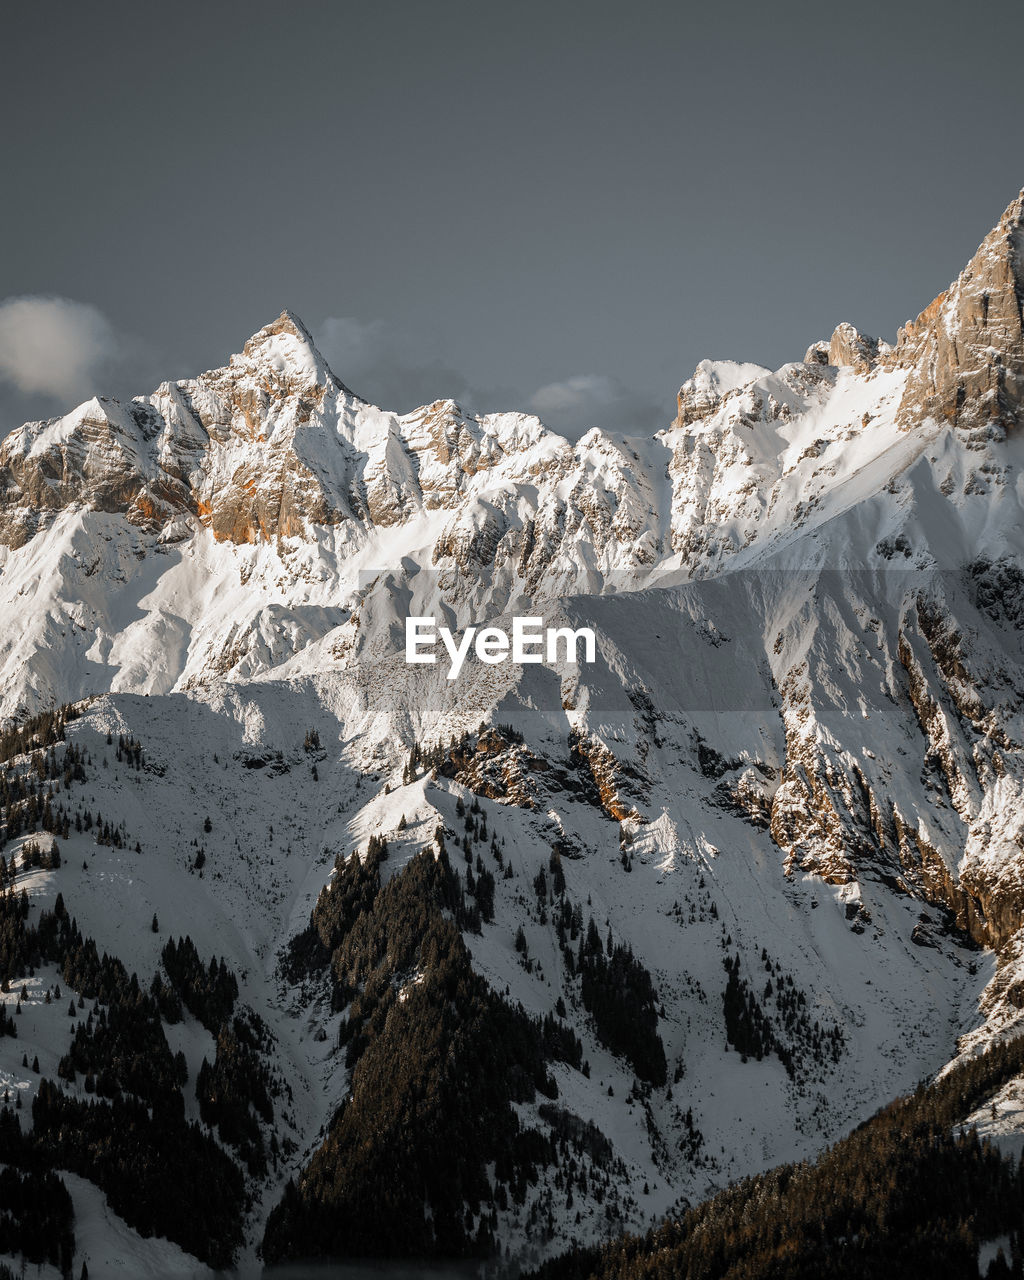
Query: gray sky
[[553, 205]]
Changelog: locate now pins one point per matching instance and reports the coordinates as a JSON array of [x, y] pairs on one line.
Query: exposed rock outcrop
[[852, 349], [965, 351]]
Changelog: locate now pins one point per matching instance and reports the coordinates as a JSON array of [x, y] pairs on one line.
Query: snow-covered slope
[[795, 771]]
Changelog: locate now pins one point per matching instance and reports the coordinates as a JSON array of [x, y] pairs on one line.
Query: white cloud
[[53, 346], [575, 395], [587, 400]]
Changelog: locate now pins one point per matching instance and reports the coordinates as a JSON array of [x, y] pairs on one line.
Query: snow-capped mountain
[[786, 796]]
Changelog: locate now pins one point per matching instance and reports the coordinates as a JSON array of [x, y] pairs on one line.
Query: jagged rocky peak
[[715, 381], [849, 348], [267, 390], [271, 444], [96, 456], [816, 353], [285, 351], [277, 463], [965, 351], [439, 427], [220, 447], [712, 381]]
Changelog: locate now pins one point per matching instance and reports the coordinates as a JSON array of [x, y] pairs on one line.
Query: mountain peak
[[849, 348], [1013, 215], [712, 380], [285, 348], [287, 322], [966, 349]]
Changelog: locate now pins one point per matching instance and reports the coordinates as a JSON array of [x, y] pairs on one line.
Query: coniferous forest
[[428, 1147], [437, 1061], [161, 1173]]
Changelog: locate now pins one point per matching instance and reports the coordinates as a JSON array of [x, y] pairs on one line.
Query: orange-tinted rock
[[966, 349]]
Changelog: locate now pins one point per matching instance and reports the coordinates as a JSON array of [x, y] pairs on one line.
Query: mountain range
[[531, 959]]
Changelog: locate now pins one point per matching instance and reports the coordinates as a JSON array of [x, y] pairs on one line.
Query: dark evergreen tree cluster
[[37, 732], [122, 1047], [234, 1093], [19, 946], [162, 1175], [28, 788], [481, 886], [746, 1027], [617, 991], [27, 794], [32, 856], [416, 761], [108, 833], [561, 1043], [584, 1135], [909, 1193], [354, 885], [57, 938], [692, 1140], [34, 809], [479, 880], [208, 991], [36, 1217], [129, 751], [437, 1059], [795, 1041]]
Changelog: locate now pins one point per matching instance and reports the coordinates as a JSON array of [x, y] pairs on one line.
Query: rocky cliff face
[[965, 350]]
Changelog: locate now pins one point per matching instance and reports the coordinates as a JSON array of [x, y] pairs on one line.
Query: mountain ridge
[[273, 449], [780, 812]]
